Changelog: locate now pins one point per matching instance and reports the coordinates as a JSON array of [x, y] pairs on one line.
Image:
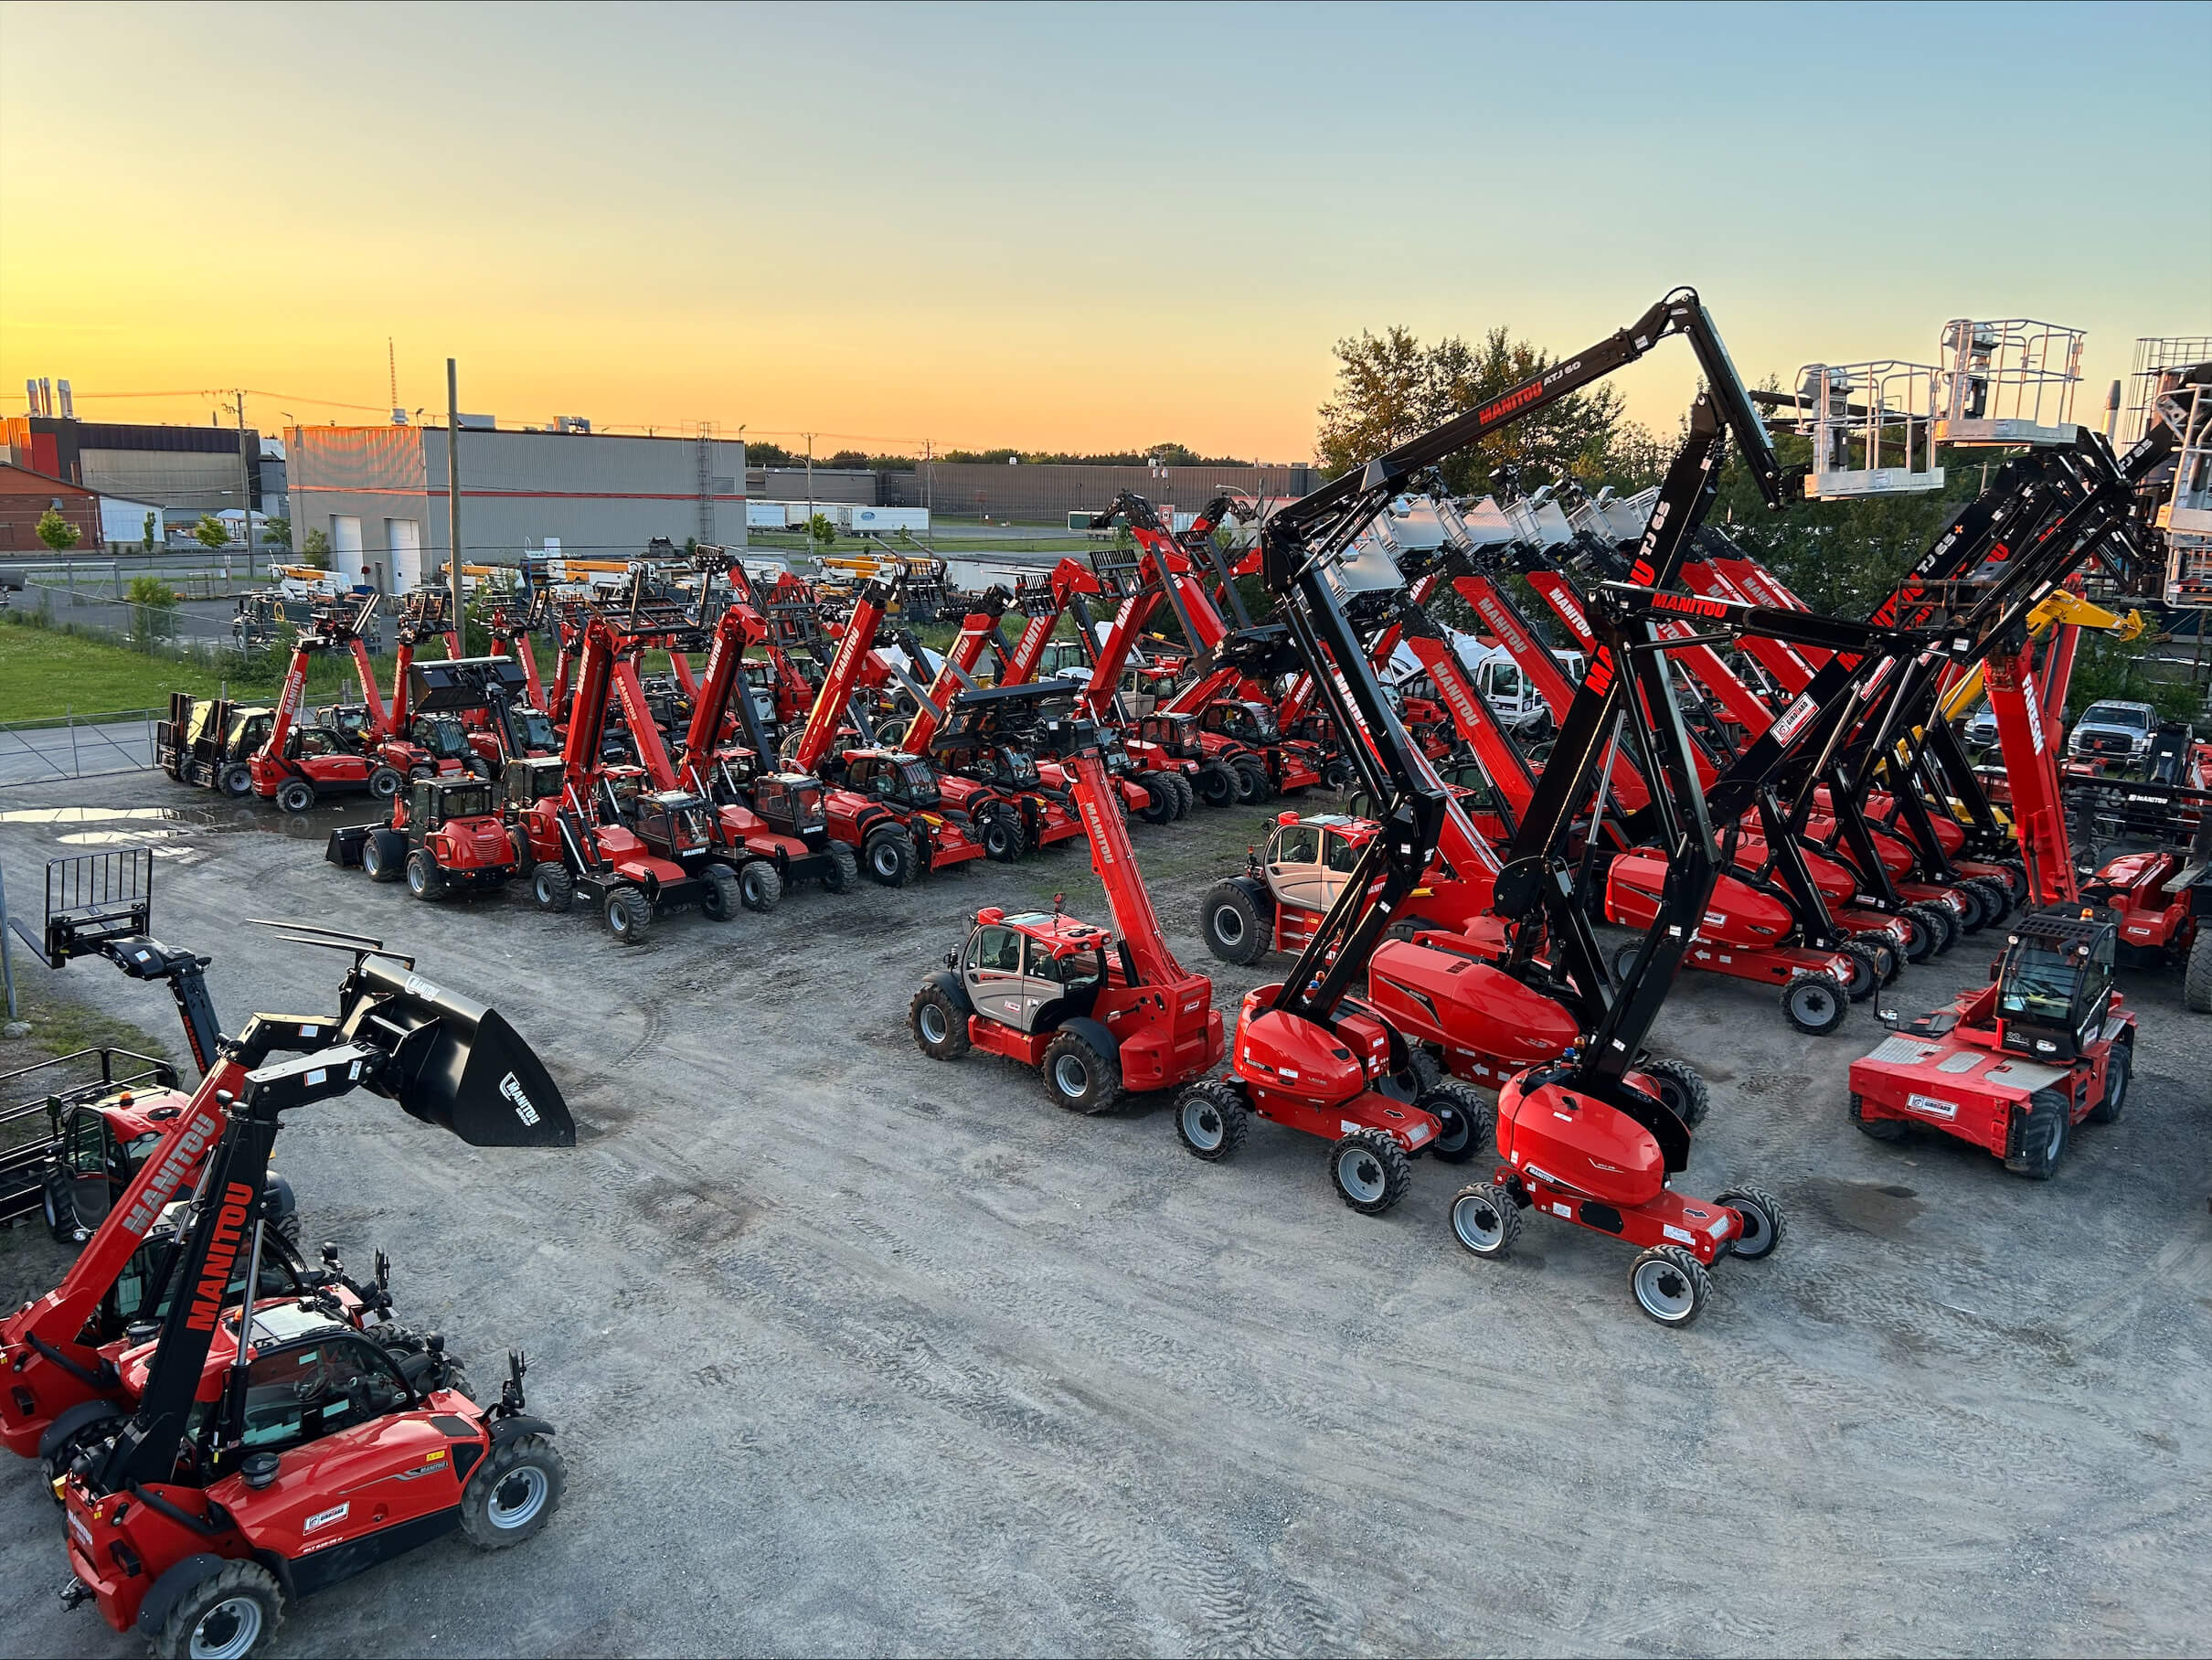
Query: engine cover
[[1575, 1142]]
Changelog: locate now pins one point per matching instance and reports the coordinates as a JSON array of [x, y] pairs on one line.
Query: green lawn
[[45, 673]]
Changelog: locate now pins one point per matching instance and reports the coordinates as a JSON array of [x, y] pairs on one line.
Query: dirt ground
[[855, 1352]]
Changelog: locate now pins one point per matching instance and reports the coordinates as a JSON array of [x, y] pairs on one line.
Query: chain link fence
[[77, 745]]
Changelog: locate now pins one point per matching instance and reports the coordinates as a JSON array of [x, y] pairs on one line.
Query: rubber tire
[[1977, 915], [384, 782], [1999, 895], [760, 884], [1255, 933], [1232, 1120], [1001, 837], [1217, 784], [1336, 774], [1186, 798], [1692, 1101], [2117, 1071], [552, 886], [384, 856], [628, 914], [425, 881], [2045, 1152], [1886, 953], [892, 859], [1657, 1262], [1252, 784], [843, 873], [1101, 1075], [1765, 1209], [58, 1208], [1473, 1201], [232, 1579], [1880, 1129], [1801, 989], [295, 796], [236, 781], [1381, 1149], [2197, 978], [1160, 802], [1940, 920], [1624, 957], [718, 900], [935, 999], [1921, 933], [485, 1479], [1867, 971], [1451, 1100]]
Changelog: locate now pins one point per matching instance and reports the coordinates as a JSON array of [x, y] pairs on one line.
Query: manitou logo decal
[[2035, 721], [1502, 624], [1564, 601], [1095, 829], [293, 681], [512, 1090], [222, 1252], [1601, 675], [169, 1179], [1688, 605], [1513, 402]]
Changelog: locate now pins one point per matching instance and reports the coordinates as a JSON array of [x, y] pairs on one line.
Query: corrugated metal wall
[[1048, 494], [831, 485]]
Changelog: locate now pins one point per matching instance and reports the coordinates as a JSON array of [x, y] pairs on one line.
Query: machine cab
[[2055, 982], [533, 778], [1176, 734], [534, 728], [1013, 768], [675, 822], [102, 1145], [142, 1291], [248, 732], [1245, 722], [1030, 969], [350, 721], [442, 736], [791, 803], [902, 779], [1308, 860], [434, 803]]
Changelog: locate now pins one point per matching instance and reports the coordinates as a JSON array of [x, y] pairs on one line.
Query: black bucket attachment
[[457, 1063], [345, 845], [465, 683]]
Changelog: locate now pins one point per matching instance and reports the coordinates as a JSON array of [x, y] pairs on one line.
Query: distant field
[[45, 673]]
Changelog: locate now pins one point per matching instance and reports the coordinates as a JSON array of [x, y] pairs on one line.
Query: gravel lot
[[855, 1352]]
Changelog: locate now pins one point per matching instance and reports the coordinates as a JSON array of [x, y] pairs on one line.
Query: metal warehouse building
[[379, 494], [1046, 495]]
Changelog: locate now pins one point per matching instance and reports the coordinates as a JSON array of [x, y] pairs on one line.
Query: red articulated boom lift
[[274, 1451], [1304, 1054], [1096, 1012], [886, 807]]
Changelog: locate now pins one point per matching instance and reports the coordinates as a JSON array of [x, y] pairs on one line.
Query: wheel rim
[[1813, 1004], [1757, 1231], [517, 1498], [1202, 1124], [416, 882], [1479, 1223], [931, 1020], [541, 888], [618, 917], [1070, 1077], [1664, 1291], [882, 860], [227, 1630], [1361, 1173], [2056, 1144], [1865, 976], [755, 890], [1229, 925], [1456, 1130], [2117, 1088]]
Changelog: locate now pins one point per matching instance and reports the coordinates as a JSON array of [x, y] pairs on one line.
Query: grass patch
[[46, 672]]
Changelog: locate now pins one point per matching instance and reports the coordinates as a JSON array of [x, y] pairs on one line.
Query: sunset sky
[[1062, 227]]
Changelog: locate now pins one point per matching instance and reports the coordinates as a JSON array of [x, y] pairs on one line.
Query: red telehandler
[[2013, 1066], [886, 807], [274, 1450], [1096, 1012]]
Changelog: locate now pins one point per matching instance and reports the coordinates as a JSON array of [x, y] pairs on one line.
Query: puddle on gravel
[[1883, 1210], [106, 815]]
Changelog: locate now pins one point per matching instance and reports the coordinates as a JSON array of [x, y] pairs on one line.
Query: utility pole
[[245, 483], [810, 493], [453, 499]]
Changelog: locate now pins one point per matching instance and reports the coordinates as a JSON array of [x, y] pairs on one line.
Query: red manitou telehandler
[[297, 764], [886, 807], [276, 1450], [1096, 1012], [1000, 789], [146, 1150], [2014, 1066]]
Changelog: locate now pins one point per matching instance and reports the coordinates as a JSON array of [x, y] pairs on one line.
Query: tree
[[821, 530], [276, 532], [1391, 387], [845, 458], [210, 532], [314, 550], [151, 520], [153, 611], [56, 532]]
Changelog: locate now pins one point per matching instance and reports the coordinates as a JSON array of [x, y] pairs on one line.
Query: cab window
[[315, 740], [1298, 845], [1505, 680], [318, 1389], [88, 1143], [999, 951], [1339, 852], [1076, 969]]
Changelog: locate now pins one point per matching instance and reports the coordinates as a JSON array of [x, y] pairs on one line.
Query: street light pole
[[245, 483], [453, 499]]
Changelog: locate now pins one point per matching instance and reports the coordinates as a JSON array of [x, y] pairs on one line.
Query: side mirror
[[951, 959]]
